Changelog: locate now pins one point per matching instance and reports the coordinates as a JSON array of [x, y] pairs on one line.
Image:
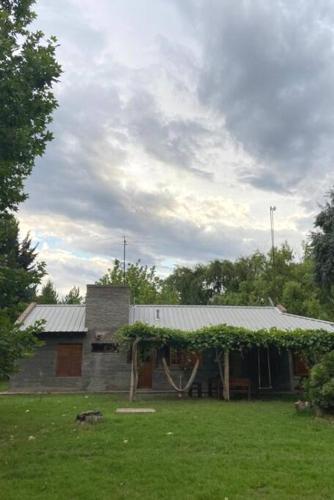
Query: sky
[[180, 122]]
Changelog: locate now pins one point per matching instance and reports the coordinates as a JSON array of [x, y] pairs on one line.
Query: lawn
[[195, 449]]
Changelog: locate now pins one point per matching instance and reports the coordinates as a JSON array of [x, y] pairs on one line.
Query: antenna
[[271, 211], [124, 258]]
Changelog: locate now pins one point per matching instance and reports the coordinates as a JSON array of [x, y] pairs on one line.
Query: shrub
[[320, 386]]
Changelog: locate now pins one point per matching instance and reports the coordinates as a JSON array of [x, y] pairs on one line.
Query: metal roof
[[59, 317], [71, 318], [194, 317]]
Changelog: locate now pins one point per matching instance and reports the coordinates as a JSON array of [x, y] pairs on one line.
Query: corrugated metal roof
[[71, 318], [58, 317], [194, 317]]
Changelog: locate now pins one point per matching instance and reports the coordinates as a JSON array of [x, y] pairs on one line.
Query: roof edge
[[305, 317], [23, 316], [218, 306]]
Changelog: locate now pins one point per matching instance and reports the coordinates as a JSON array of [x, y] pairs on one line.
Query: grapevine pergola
[[222, 338]]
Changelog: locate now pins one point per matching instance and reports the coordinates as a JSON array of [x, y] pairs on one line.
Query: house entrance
[[145, 369]]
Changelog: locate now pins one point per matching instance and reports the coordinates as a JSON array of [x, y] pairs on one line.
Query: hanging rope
[[171, 381]]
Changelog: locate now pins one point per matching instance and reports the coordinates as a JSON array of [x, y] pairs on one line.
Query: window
[[105, 347], [69, 360], [182, 358], [176, 357]]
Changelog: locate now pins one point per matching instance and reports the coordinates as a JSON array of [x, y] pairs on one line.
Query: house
[[80, 353]]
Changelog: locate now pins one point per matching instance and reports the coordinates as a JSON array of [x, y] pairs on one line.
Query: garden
[[188, 449]]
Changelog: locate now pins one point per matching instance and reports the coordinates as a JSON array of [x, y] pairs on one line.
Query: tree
[[254, 280], [322, 244], [48, 294], [146, 287], [20, 273], [189, 285], [28, 69], [15, 343], [73, 296]]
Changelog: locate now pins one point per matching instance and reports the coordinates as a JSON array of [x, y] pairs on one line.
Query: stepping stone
[[135, 410]]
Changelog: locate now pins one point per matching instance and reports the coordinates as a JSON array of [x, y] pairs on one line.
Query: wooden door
[[69, 360], [145, 370]]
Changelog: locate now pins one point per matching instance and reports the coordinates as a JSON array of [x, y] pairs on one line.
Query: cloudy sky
[[179, 123]]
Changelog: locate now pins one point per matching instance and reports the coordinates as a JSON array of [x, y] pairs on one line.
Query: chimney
[[107, 308]]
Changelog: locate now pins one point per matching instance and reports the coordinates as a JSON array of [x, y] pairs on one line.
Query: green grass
[[217, 450], [3, 385]]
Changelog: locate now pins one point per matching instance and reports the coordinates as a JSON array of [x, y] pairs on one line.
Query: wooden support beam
[[291, 371], [226, 389], [134, 370]]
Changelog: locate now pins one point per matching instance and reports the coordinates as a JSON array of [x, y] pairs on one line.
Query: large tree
[[73, 296], [20, 272], [28, 70], [145, 285], [322, 244], [48, 295], [254, 280]]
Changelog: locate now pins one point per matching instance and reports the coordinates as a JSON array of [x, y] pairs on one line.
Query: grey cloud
[[173, 141], [97, 122], [268, 68]]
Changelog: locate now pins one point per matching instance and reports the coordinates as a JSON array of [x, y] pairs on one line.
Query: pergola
[[223, 338]]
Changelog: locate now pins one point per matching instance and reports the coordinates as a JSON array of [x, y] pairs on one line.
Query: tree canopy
[[20, 272], [322, 244], [48, 294], [145, 285], [253, 280], [28, 70]]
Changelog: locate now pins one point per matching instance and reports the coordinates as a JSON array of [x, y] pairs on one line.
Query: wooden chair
[[241, 386]]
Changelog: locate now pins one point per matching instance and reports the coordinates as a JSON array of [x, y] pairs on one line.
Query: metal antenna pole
[[124, 258], [272, 210]]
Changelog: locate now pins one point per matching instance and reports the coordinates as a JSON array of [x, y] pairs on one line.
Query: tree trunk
[[134, 370], [226, 390]]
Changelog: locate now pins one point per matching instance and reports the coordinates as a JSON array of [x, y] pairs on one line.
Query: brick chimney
[[107, 309]]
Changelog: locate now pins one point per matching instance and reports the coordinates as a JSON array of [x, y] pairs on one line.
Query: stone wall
[[107, 309]]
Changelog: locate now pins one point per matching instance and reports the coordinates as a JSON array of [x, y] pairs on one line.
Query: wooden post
[[291, 371], [134, 370], [226, 390]]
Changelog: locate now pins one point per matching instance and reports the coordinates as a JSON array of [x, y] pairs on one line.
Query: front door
[[145, 369]]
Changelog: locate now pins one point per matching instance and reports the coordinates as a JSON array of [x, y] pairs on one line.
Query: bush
[[320, 386]]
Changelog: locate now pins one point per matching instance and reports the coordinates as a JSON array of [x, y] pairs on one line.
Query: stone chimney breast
[[107, 308]]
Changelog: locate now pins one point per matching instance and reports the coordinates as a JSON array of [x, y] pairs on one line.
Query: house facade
[[80, 353]]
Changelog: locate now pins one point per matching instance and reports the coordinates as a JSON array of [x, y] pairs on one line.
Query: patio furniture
[[241, 386], [215, 387], [196, 387], [237, 385]]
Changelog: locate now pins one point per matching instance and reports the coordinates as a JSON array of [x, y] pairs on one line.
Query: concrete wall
[[107, 309]]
